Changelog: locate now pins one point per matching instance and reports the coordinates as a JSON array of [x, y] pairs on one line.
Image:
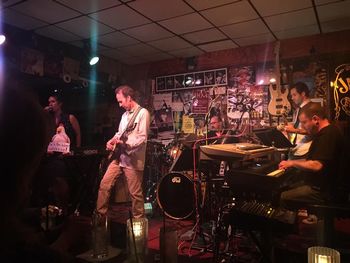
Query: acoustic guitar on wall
[[279, 103]]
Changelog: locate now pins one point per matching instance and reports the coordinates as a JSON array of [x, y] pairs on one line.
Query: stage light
[[323, 255], [261, 82], [94, 60], [2, 39], [272, 80], [198, 82], [137, 237]]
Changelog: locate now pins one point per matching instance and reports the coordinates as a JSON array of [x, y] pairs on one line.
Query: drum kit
[[170, 185], [162, 184]]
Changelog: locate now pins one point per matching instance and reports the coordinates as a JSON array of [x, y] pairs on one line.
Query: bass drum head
[[175, 195]]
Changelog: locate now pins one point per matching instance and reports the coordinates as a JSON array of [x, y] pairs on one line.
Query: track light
[[2, 39], [94, 60]]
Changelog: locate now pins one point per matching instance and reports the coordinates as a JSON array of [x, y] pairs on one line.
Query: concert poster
[[200, 101], [187, 124], [164, 120], [187, 100], [32, 62], [53, 65], [239, 97]]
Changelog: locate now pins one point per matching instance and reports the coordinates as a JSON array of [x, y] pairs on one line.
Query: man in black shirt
[[322, 161]]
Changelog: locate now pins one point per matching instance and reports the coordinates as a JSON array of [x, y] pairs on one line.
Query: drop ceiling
[[141, 31]]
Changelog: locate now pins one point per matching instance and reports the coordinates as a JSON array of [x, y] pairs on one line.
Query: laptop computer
[[273, 137]]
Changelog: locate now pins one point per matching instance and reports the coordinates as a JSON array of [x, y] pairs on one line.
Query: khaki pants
[[134, 182]]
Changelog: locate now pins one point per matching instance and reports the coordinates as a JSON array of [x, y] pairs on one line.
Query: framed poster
[[199, 79]]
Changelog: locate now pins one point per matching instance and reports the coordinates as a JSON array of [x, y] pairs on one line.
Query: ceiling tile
[[250, 28], [170, 43], [160, 9], [77, 43], [334, 11], [85, 27], [186, 52], [114, 53], [253, 40], [157, 57], [148, 32], [57, 33], [291, 20], [335, 25], [204, 4], [89, 6], [186, 23], [204, 36], [9, 2], [221, 45], [19, 20], [138, 50], [273, 7], [297, 32], [48, 11], [116, 39], [120, 17], [229, 14]]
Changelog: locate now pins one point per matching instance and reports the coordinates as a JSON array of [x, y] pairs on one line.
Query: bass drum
[[175, 195]]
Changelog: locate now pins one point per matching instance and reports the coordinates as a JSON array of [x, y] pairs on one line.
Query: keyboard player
[[321, 167]]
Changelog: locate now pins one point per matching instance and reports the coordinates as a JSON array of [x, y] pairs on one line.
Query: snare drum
[[175, 195]]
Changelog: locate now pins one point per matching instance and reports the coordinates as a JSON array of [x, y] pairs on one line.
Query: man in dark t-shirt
[[321, 164]]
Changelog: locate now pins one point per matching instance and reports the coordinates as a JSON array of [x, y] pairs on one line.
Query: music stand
[[273, 137]]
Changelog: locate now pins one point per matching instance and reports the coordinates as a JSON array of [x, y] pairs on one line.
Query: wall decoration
[[177, 117], [191, 80], [71, 68], [200, 101], [164, 120], [162, 100], [187, 124], [32, 62], [341, 92], [53, 65]]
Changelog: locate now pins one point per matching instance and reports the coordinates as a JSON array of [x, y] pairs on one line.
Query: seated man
[[217, 130], [321, 166]]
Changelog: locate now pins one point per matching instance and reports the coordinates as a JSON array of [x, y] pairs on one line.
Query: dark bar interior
[[175, 131]]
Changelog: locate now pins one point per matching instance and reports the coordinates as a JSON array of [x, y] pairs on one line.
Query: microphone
[[48, 109]]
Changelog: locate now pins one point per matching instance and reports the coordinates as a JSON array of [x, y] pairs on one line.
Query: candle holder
[[323, 255], [137, 237]]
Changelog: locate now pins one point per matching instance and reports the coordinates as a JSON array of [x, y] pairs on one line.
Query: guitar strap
[[296, 124], [132, 119]]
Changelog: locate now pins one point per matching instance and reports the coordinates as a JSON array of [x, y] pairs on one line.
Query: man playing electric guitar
[[297, 135], [130, 144]]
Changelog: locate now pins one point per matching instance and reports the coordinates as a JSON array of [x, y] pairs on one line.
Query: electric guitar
[[115, 153], [279, 102]]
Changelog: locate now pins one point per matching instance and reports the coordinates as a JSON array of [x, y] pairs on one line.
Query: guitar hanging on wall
[[279, 103]]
